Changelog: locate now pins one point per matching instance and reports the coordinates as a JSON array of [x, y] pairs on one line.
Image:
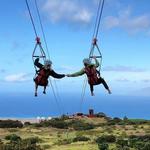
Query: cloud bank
[[20, 77], [120, 68], [67, 11], [125, 20]]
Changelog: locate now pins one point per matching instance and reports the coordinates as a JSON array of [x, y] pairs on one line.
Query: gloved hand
[[37, 59]]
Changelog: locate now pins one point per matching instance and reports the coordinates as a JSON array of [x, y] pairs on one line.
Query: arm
[[37, 64], [76, 74], [56, 75], [96, 63]]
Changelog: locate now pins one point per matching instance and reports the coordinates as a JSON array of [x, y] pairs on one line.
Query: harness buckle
[[94, 41], [38, 40]]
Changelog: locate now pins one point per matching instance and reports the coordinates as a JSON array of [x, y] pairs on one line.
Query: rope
[[56, 99], [32, 21], [83, 93]]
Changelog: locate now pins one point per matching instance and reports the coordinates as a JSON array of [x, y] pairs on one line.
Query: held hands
[[68, 75]]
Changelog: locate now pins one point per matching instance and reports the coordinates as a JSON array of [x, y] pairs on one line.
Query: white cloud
[[67, 11], [120, 68], [127, 21], [20, 77], [68, 68], [144, 91], [122, 80]]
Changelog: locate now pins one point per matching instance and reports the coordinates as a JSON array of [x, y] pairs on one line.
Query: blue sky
[[123, 38]]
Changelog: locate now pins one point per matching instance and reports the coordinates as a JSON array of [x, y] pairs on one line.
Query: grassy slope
[[51, 137]]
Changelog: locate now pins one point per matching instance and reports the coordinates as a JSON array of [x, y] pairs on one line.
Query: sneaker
[[109, 91], [92, 94], [35, 95], [44, 92]]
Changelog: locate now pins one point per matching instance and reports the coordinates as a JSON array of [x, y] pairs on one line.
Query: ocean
[[25, 105]]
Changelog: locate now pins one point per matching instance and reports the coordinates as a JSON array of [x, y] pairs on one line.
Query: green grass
[[54, 139]]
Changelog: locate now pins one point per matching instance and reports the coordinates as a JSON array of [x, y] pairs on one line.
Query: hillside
[[80, 133]]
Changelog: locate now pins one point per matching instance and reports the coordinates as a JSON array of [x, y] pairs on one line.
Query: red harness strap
[[91, 73], [42, 77]]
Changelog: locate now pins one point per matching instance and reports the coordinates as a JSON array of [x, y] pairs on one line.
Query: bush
[[101, 115], [139, 145], [122, 142], [146, 146], [115, 121], [106, 139], [13, 137], [27, 124], [55, 123], [64, 117], [123, 148], [10, 124], [103, 146], [59, 124], [79, 125], [145, 138], [32, 140], [19, 144], [81, 138], [64, 141]]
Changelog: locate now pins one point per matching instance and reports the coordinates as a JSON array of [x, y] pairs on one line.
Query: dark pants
[[100, 81]]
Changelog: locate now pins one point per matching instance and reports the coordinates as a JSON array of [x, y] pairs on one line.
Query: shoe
[[44, 92], [109, 91], [92, 94], [35, 95]]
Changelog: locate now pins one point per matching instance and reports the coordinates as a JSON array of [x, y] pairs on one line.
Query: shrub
[[64, 141], [26, 144], [59, 124], [56, 123], [122, 142], [81, 138], [146, 146], [103, 146], [10, 124], [27, 124], [101, 115], [32, 140], [13, 137], [79, 125], [106, 139]]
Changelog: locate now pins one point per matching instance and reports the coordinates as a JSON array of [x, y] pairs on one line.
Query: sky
[[124, 40]]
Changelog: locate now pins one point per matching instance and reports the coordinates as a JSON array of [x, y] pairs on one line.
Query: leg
[[36, 87], [92, 89], [44, 92], [101, 80], [45, 85]]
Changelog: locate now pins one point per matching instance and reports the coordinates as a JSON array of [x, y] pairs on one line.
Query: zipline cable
[[96, 21], [95, 34], [99, 21], [44, 37], [32, 21], [55, 90]]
